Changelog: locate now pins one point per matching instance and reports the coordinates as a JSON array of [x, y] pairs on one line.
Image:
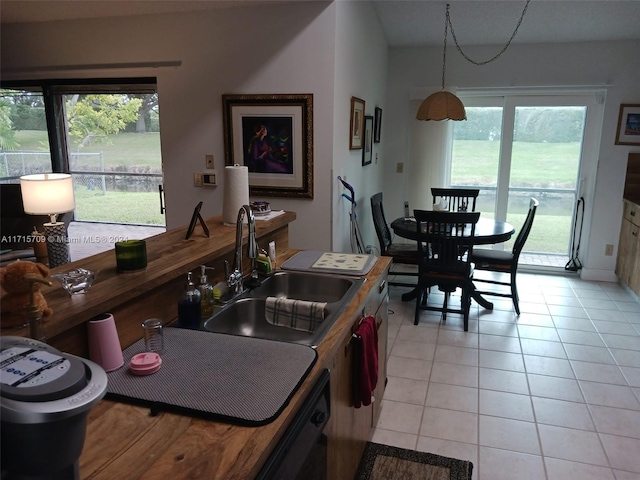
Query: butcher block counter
[[129, 442]]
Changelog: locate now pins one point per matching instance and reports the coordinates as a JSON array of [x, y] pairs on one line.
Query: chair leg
[[466, 306], [514, 293], [444, 306], [421, 294]]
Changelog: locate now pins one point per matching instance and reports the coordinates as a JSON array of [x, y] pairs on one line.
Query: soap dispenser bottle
[[206, 293], [189, 314]]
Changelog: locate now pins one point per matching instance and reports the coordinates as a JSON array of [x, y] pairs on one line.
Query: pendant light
[[445, 105]]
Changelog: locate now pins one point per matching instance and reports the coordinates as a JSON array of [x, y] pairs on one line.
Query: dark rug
[[384, 462]]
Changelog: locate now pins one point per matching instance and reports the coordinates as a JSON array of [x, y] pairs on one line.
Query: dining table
[[487, 232]]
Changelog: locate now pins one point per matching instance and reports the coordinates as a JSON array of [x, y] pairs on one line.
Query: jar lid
[[145, 363]]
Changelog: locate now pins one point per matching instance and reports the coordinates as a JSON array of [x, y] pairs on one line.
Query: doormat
[[384, 462]]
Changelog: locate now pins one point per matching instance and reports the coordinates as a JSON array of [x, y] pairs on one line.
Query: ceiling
[[405, 22]]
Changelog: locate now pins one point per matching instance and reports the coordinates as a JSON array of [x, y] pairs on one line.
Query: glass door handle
[[161, 192]]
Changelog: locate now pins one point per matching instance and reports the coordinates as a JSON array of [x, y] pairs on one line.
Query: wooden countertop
[[125, 441]]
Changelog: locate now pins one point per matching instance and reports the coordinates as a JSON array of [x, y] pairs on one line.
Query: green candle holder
[[131, 255]]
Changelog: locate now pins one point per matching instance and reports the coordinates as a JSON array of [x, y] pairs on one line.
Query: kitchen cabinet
[[628, 261], [350, 428]]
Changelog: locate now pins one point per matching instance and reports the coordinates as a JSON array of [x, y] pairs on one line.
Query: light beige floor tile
[[563, 470], [408, 368], [538, 333], [416, 350], [618, 396], [563, 300], [501, 360], [450, 425], [555, 387], [502, 316], [583, 291], [452, 397], [400, 417], [406, 390], [396, 439], [622, 452], [616, 421], [569, 323], [535, 319], [537, 308], [580, 337], [418, 333], [598, 372], [458, 355], [595, 314], [556, 367], [629, 307], [562, 413], [507, 405], [620, 475], [626, 358], [588, 353], [496, 464], [562, 311], [632, 374], [503, 380], [616, 328], [572, 444], [499, 343], [626, 342], [598, 303], [447, 448], [542, 348], [458, 339], [498, 328], [508, 434], [453, 374]]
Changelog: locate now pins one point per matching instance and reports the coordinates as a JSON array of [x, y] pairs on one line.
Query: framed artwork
[[377, 125], [273, 136], [628, 125], [356, 125], [367, 151]]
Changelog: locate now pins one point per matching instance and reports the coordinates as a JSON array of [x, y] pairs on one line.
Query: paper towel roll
[[236, 192]]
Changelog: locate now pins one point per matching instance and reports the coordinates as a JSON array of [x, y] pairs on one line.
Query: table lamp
[[50, 194]]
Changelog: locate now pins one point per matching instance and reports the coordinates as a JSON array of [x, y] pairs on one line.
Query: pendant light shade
[[441, 105]]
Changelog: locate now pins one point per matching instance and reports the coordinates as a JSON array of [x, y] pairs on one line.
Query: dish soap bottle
[[206, 293], [189, 306]]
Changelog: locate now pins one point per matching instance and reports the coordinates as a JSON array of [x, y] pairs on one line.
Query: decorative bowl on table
[[75, 281]]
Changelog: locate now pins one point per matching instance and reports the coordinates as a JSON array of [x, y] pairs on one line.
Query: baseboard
[[595, 275]]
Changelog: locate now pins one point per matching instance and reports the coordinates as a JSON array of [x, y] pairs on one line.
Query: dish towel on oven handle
[[365, 362], [297, 314]]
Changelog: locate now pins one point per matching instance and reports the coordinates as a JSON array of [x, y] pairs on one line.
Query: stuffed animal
[[13, 305]]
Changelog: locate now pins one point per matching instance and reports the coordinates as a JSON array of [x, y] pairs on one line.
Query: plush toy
[[13, 305]]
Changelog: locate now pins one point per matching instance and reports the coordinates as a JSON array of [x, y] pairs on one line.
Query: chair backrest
[[445, 241], [457, 199], [380, 223], [523, 234]]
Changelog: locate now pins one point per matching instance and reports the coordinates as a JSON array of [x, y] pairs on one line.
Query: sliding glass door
[[517, 147]]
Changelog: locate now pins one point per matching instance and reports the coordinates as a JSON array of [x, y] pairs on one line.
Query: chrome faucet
[[234, 279]]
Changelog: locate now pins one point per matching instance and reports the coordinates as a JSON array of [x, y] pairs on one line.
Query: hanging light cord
[[453, 34], [447, 20]]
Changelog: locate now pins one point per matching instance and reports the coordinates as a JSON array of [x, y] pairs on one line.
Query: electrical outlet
[[208, 161], [608, 250], [399, 167], [197, 179]]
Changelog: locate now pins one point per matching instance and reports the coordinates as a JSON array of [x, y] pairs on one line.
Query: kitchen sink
[[245, 315]]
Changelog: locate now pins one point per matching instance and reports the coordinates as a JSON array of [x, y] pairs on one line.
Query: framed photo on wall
[[628, 125], [273, 136], [377, 125], [367, 151], [356, 124]]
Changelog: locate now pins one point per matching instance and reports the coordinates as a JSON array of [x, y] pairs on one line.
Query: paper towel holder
[[194, 220]]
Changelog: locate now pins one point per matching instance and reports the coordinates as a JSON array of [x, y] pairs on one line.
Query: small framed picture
[[377, 125], [356, 125], [367, 151], [628, 125]]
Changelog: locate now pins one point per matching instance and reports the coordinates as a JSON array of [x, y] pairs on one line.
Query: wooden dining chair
[[444, 259], [457, 199], [402, 254], [505, 262]]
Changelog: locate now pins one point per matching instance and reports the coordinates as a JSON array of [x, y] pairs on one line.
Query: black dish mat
[[241, 380]]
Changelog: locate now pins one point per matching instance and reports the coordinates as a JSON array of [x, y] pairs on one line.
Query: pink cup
[[104, 344]]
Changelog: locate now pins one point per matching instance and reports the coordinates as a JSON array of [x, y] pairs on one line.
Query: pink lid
[[145, 363]]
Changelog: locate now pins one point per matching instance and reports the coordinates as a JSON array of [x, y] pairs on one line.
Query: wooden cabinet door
[[382, 321], [624, 263], [634, 259]]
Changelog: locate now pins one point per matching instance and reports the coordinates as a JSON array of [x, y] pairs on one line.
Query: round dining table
[[487, 232]]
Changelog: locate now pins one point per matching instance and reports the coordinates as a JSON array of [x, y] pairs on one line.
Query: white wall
[[614, 64], [361, 71], [272, 49]]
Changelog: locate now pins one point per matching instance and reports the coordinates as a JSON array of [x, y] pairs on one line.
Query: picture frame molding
[[623, 138], [377, 125], [299, 107], [367, 150], [356, 124]]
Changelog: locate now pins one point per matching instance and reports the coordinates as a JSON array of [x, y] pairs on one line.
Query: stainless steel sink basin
[[246, 315]]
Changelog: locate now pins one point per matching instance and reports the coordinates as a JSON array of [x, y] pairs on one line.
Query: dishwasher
[[302, 451]]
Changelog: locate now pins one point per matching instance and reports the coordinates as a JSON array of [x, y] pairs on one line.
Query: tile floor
[[551, 394]]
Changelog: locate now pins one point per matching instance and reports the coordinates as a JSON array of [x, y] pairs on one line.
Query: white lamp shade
[[47, 193]]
